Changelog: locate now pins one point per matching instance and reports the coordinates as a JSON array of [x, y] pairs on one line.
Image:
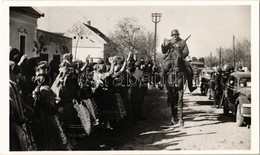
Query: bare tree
[[78, 31], [242, 54], [211, 61], [130, 36]]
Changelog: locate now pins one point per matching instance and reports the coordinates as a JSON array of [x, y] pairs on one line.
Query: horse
[[175, 80]]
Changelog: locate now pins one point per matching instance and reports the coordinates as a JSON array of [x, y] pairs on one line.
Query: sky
[[210, 27]]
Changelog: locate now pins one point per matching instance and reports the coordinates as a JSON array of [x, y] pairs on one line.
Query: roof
[[241, 74], [59, 33], [98, 32], [197, 63], [31, 11], [53, 33], [208, 70]]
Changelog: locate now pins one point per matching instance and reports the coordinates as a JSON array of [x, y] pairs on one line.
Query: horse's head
[[176, 55]]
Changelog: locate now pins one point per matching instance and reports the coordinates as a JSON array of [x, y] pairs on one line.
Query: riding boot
[[190, 84], [189, 74], [174, 118]]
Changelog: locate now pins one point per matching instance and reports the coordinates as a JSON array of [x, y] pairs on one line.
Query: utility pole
[[234, 50], [76, 47], [210, 60], [156, 18], [220, 57]]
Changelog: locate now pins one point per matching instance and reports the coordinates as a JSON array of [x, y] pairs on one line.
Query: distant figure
[[240, 69], [218, 88]]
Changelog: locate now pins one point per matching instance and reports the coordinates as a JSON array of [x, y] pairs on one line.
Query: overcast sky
[[210, 26]]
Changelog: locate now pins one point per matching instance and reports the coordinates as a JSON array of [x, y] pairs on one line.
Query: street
[[205, 128]]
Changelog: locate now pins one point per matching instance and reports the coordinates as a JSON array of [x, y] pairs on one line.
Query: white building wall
[[88, 43], [82, 53], [23, 25]]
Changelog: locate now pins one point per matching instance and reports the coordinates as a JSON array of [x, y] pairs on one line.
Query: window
[[22, 44], [232, 81], [56, 58], [44, 57], [245, 82]]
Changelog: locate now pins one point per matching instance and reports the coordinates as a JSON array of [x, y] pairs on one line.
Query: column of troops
[[52, 104]]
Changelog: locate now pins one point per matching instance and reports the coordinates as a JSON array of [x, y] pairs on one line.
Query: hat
[[175, 32], [15, 55], [100, 61], [101, 68]]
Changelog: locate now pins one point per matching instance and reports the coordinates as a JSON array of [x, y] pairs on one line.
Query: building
[[87, 40], [52, 46], [25, 36], [23, 29]]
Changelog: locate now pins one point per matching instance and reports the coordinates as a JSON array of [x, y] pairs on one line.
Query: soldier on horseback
[[177, 43], [176, 70]]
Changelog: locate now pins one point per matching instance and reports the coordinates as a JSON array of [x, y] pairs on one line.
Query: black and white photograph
[[130, 77]]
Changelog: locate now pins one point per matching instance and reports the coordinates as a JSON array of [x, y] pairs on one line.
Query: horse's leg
[[180, 107], [174, 105], [180, 99], [170, 100]]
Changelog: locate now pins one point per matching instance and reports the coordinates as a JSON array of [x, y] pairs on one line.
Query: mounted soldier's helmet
[[175, 32]]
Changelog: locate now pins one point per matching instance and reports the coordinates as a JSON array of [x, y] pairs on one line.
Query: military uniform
[[180, 46]]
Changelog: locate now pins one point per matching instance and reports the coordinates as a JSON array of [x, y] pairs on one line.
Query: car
[[237, 97], [205, 76]]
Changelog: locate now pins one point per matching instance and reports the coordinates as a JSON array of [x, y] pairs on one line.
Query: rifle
[[187, 38]]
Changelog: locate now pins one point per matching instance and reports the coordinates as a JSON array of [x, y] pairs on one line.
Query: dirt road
[[205, 128]]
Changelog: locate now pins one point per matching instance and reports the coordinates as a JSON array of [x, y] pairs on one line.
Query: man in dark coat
[[218, 88]]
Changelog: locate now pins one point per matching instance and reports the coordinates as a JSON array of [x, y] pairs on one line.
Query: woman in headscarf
[[47, 129]]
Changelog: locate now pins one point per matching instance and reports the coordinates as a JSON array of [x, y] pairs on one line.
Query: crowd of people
[[53, 104]]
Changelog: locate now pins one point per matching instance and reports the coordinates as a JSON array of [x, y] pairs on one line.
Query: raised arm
[[111, 71]]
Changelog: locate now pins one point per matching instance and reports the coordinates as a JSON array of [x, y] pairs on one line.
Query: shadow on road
[[154, 132], [210, 102]]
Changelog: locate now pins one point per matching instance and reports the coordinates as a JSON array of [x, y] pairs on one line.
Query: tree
[[130, 36], [79, 31], [228, 56], [211, 61], [242, 54]]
